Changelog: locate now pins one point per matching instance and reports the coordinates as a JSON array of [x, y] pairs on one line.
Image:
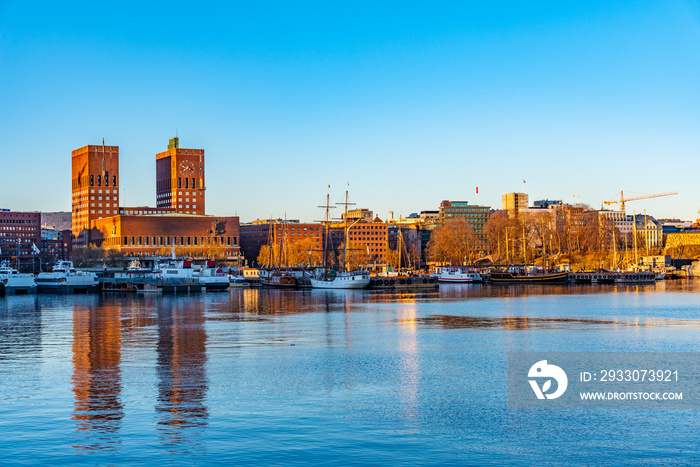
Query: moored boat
[[279, 279], [519, 275], [178, 277], [65, 278], [16, 283], [340, 280], [459, 274], [212, 279]]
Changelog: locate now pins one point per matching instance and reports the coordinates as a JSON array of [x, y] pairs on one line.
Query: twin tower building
[[177, 222]]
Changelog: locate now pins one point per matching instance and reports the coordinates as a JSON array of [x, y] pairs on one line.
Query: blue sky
[[409, 102]]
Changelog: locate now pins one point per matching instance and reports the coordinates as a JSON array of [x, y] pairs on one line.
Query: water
[[329, 377]]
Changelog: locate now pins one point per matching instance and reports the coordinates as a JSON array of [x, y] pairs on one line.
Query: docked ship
[[212, 279], [65, 278], [14, 282], [177, 277], [459, 274], [520, 275]]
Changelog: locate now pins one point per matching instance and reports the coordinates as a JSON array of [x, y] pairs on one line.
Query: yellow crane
[[623, 200]]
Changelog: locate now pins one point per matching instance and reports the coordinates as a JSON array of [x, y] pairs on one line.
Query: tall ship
[[65, 278], [14, 282], [325, 278]]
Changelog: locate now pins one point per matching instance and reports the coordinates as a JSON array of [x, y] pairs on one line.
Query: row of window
[[187, 183], [188, 241], [17, 221], [106, 180]]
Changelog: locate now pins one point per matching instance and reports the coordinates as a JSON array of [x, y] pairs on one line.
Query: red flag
[[477, 190]]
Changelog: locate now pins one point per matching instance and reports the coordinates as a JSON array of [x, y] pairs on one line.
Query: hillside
[[56, 220]]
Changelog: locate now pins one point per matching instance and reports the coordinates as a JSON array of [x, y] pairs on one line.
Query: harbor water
[[329, 377]]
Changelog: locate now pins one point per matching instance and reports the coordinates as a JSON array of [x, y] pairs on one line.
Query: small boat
[[340, 280], [519, 275], [15, 283], [65, 278], [237, 281], [459, 274], [279, 279]]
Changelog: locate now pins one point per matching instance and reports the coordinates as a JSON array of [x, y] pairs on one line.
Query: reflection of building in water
[[182, 385], [410, 370], [96, 370]]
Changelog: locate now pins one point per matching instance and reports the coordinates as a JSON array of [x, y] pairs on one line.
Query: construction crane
[[623, 200]]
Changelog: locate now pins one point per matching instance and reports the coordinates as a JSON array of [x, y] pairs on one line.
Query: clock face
[[186, 168]]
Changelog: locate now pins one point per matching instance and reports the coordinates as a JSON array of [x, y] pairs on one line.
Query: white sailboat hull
[[342, 281]]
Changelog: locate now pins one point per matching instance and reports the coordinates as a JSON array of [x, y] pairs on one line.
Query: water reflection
[[531, 323], [181, 369], [410, 368], [96, 378], [20, 327]]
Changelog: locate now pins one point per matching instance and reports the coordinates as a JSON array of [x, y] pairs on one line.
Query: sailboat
[[329, 279]]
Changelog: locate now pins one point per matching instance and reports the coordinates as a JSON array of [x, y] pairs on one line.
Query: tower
[[180, 179], [95, 187]]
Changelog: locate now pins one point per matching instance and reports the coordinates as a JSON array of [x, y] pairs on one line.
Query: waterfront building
[[650, 229], [278, 232], [514, 203], [153, 235], [180, 183], [178, 221], [55, 244], [475, 215], [94, 187], [361, 213], [20, 237], [365, 235]]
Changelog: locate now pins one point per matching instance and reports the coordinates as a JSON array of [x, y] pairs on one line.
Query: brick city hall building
[[178, 221]]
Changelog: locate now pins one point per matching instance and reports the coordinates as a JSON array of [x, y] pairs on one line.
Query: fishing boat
[[325, 278], [459, 274], [14, 282], [65, 278]]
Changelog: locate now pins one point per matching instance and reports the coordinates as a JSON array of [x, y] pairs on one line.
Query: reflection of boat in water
[[64, 278], [520, 275], [15, 283], [459, 274]]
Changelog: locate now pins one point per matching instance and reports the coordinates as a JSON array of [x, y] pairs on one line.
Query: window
[[187, 182], [179, 182], [192, 183], [92, 180]]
